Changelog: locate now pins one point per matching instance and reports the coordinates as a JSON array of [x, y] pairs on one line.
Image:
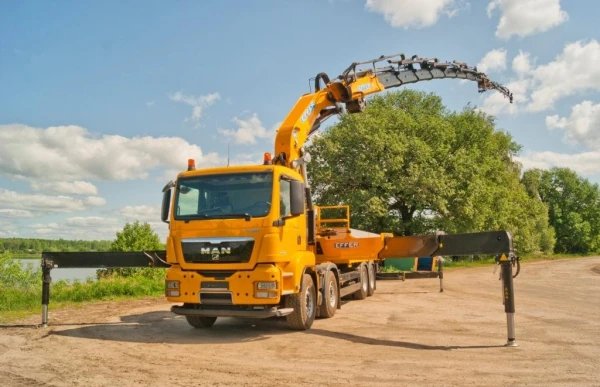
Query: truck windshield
[[234, 195]]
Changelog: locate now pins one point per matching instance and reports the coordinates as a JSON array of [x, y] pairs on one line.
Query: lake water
[[80, 274]]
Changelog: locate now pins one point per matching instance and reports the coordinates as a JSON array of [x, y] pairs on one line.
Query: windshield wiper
[[245, 215]]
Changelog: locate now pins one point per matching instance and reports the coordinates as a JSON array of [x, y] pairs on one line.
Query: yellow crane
[[247, 241]]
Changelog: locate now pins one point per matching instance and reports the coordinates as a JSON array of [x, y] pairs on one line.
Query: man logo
[[215, 252]]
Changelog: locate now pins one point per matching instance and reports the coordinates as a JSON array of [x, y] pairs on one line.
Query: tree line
[[36, 246], [409, 165]]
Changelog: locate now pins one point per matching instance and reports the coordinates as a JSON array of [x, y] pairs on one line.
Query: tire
[[200, 321], [304, 304], [364, 282], [330, 296], [372, 280]]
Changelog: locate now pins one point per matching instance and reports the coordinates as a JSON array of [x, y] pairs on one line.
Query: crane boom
[[354, 85]]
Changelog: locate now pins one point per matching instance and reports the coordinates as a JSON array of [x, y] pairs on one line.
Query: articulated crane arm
[[353, 85]]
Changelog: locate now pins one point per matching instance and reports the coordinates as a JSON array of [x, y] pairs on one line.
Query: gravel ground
[[407, 333]]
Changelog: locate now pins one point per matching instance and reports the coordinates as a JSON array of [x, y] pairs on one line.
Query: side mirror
[[166, 203], [297, 198]]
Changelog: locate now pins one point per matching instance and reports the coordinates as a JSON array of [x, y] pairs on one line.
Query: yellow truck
[[247, 241]]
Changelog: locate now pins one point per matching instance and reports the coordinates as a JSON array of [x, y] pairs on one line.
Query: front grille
[[219, 285], [217, 250], [216, 298]]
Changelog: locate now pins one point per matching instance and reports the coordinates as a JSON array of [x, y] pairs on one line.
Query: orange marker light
[[191, 164], [267, 158]]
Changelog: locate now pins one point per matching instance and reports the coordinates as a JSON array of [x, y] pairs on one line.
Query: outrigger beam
[[71, 260], [497, 243]]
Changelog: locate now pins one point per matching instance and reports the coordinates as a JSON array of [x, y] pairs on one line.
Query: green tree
[[574, 207], [410, 166], [135, 236]]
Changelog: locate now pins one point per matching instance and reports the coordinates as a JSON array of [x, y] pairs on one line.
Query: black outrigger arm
[[71, 260], [496, 243]]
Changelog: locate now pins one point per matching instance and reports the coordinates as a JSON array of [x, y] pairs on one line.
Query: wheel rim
[[309, 303], [332, 296]]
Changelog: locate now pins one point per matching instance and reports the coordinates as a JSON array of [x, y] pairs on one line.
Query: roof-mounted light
[[267, 158], [191, 164]]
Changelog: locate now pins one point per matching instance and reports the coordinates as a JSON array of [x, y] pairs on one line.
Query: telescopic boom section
[[354, 84]]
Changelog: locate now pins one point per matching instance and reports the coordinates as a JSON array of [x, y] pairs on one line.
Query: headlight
[[266, 285], [172, 288], [172, 285]]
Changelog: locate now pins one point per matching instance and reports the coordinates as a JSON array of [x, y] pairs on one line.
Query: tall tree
[[408, 165], [135, 236], [574, 207]]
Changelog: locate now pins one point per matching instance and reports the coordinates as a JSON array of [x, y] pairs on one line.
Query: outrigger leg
[[508, 294]]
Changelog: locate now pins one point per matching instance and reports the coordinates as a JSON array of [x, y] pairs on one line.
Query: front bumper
[[239, 288], [239, 312]]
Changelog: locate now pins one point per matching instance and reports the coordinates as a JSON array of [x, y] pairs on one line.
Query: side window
[[188, 201], [284, 197]]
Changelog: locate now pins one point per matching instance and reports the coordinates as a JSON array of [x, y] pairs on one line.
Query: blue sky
[[101, 103]]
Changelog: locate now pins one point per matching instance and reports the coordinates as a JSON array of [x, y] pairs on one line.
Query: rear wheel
[[304, 304], [361, 294], [372, 279], [330, 296], [200, 321]]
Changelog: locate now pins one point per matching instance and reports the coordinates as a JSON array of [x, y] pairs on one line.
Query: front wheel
[[304, 304], [201, 322]]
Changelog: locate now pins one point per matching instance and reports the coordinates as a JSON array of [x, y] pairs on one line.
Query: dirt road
[[407, 333]]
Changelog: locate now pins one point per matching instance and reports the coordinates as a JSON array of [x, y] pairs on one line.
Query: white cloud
[[248, 159], [88, 228], [6, 229], [63, 187], [46, 204], [521, 64], [249, 130], [526, 17], [68, 153], [150, 103], [94, 201], [574, 71], [197, 103], [493, 60], [587, 163], [89, 221], [418, 14], [538, 88], [583, 126], [12, 213], [142, 213]]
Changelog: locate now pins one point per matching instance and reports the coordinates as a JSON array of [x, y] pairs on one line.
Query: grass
[[25, 300]]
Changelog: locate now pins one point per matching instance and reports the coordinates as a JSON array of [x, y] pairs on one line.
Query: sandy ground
[[407, 333]]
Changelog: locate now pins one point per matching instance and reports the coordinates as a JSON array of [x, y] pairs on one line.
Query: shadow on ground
[[165, 327], [392, 343]]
